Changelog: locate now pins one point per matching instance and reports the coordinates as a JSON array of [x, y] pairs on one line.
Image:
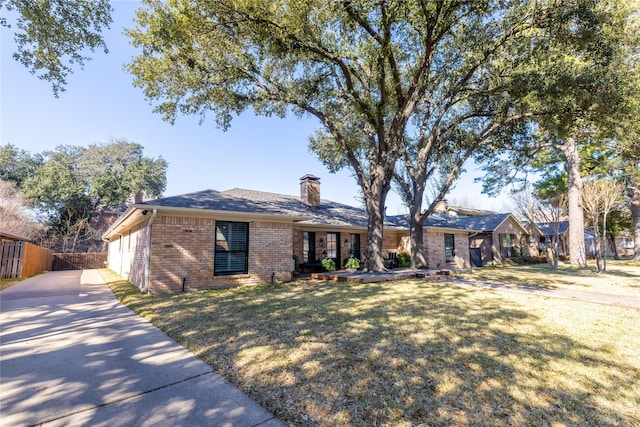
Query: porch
[[386, 276]]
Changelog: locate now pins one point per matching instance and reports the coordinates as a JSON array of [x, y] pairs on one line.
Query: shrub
[[352, 263], [404, 259], [328, 264]]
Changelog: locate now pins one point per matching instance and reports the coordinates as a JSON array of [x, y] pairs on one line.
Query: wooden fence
[[79, 261], [23, 259]]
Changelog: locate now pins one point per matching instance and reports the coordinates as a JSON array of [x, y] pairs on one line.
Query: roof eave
[[193, 211]]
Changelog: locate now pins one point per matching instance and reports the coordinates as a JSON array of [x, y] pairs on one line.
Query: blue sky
[[101, 104]]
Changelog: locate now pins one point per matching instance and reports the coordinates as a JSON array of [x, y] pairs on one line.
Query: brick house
[[211, 239], [496, 238], [562, 227]]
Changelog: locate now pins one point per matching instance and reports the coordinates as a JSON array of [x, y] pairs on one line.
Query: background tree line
[[66, 198]]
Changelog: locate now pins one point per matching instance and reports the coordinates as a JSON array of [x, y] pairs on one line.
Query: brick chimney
[[442, 207], [310, 190]]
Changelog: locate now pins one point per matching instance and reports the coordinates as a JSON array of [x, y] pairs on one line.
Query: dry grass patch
[[621, 277], [411, 353], [7, 283]]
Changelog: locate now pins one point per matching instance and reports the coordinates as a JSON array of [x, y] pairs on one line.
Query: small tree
[[550, 210], [600, 197], [612, 197], [14, 213]]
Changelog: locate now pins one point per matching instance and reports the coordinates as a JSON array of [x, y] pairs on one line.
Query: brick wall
[[184, 247], [434, 248]]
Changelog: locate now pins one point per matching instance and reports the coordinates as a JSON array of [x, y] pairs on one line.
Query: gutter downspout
[[147, 266], [121, 243]]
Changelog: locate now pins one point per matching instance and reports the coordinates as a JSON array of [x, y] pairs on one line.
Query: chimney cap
[[309, 177]]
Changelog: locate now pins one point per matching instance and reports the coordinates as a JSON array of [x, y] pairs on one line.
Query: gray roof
[[327, 214], [547, 228], [471, 223], [263, 203], [481, 223]]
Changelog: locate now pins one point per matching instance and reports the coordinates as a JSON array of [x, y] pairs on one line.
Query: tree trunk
[[597, 244], [577, 253], [614, 247], [374, 204], [604, 241], [416, 237], [552, 254], [635, 213]]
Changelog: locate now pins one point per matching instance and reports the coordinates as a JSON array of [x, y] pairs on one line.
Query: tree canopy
[[374, 74], [53, 36], [72, 185], [587, 81]]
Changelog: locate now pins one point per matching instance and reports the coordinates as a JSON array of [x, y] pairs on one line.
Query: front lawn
[[410, 352], [621, 278]]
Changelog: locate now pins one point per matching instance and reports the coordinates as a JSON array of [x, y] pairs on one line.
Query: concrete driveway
[[71, 354]]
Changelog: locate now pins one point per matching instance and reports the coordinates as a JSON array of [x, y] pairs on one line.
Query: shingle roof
[[547, 228], [481, 223], [327, 214], [265, 203], [230, 202]]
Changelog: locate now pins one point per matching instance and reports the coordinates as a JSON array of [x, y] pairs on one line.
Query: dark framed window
[[333, 248], [449, 248], [308, 246], [232, 248], [507, 245], [354, 244]]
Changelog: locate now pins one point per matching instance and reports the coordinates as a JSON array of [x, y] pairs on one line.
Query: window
[[354, 244], [449, 248], [231, 255], [507, 245], [626, 243], [308, 246], [332, 245]]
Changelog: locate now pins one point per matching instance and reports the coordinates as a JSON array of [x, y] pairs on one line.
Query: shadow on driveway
[[71, 354]]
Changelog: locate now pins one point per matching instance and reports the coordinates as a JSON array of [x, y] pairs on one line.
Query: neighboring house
[[548, 228], [624, 244], [213, 239], [495, 238]]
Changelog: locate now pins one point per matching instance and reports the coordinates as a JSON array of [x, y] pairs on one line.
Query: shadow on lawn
[[394, 353], [542, 277]]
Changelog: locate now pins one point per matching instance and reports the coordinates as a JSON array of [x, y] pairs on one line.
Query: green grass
[[410, 352]]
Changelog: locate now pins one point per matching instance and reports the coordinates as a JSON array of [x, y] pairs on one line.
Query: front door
[[333, 248]]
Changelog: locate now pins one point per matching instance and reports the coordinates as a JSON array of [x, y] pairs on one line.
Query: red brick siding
[[184, 247], [434, 248]]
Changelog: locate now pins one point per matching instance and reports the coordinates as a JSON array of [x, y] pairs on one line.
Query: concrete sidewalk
[[71, 354]]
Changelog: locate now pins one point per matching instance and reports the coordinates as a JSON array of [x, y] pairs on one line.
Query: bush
[[352, 263], [404, 259], [328, 264]]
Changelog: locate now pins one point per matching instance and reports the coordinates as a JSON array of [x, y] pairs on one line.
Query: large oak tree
[[372, 72]]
